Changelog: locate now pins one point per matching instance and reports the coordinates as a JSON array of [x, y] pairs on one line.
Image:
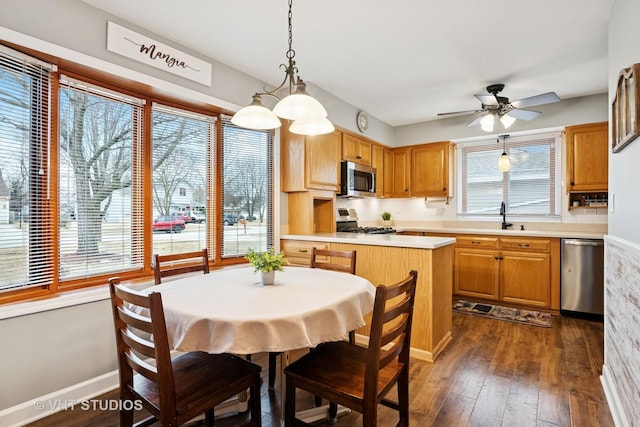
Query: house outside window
[[530, 189], [79, 205]]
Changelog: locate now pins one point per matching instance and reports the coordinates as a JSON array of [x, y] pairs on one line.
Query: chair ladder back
[[391, 323], [186, 262], [150, 358], [348, 255]]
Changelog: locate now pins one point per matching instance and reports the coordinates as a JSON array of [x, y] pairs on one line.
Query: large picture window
[[96, 178], [529, 188]]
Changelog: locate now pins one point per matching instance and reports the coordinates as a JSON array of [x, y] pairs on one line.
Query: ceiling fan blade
[[476, 120], [456, 113], [487, 99], [544, 98], [525, 115]]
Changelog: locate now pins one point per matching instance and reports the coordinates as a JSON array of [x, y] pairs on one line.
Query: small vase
[[267, 278]]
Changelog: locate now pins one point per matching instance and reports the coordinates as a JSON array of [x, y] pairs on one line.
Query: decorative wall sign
[[141, 48], [625, 109]]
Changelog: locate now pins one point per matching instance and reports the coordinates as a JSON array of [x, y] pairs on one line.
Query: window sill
[[57, 301]]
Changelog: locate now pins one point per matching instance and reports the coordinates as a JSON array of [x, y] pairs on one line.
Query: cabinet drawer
[[539, 245], [298, 252], [477, 241]]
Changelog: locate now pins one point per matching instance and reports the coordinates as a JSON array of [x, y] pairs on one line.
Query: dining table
[[230, 310]]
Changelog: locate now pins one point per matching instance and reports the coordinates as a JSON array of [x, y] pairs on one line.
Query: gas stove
[[370, 230], [352, 227]]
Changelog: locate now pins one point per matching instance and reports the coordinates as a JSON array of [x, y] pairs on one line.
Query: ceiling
[[402, 61]]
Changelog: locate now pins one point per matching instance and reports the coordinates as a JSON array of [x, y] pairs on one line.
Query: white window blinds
[[26, 203], [529, 188], [247, 177], [100, 181]]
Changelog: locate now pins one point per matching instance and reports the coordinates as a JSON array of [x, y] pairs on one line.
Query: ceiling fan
[[498, 107]]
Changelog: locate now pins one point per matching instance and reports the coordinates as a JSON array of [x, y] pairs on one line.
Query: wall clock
[[362, 120]]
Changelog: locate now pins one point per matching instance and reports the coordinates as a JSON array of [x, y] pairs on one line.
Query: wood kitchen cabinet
[[310, 162], [477, 273], [377, 162], [298, 252], [431, 169], [587, 157], [510, 269], [397, 172], [356, 150]]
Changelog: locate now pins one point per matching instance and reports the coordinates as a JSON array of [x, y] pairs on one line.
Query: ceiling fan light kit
[[298, 105], [498, 107]]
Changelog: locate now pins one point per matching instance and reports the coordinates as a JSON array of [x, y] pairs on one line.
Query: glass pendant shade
[[256, 116], [504, 164], [507, 120], [299, 106], [486, 124], [312, 127]]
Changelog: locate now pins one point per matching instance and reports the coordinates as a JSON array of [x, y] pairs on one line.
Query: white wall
[[621, 372]]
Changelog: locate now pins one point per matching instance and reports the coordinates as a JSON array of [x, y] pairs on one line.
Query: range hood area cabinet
[[587, 164], [310, 162], [356, 150]]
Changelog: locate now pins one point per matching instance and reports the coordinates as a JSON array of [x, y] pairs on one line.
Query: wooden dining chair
[[360, 377], [320, 258], [173, 391], [186, 262]]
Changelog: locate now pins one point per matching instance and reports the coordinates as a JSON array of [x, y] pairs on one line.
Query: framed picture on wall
[[625, 114]]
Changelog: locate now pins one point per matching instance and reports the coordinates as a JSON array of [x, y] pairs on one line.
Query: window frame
[[513, 141], [151, 95]]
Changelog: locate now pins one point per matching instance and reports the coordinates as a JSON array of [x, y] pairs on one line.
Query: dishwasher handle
[[582, 242]]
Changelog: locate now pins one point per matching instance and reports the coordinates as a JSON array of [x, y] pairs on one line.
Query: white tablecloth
[[230, 311]]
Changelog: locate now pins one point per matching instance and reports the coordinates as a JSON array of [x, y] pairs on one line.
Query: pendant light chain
[[291, 70]]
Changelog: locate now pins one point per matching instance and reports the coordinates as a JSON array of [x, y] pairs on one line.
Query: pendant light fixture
[[308, 115], [504, 164]]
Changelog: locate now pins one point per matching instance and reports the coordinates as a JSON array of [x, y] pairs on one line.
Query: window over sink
[[530, 189]]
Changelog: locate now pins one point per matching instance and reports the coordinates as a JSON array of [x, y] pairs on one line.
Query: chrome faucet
[[503, 212]]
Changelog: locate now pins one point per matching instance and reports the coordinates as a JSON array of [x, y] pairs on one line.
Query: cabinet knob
[[358, 157], [572, 183], [444, 189], [304, 251], [496, 258]]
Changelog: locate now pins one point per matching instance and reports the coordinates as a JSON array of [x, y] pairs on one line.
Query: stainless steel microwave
[[357, 180]]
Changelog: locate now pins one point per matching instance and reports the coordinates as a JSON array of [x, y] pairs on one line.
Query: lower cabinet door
[[525, 278], [477, 273]]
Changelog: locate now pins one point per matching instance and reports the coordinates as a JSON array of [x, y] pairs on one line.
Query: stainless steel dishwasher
[[582, 276]]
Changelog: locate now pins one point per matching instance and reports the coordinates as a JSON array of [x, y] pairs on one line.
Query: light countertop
[[419, 242], [510, 232]]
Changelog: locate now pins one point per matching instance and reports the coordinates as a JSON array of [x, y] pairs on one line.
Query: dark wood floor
[[494, 373]]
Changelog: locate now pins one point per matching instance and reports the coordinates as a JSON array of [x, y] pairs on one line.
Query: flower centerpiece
[[267, 263]]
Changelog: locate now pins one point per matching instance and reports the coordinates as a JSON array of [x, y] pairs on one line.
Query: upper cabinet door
[[587, 157], [356, 150], [430, 169], [322, 161], [311, 162]]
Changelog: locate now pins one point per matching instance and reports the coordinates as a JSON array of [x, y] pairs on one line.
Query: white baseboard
[[615, 407], [51, 403]]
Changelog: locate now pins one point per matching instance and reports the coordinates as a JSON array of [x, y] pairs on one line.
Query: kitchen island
[[388, 258]]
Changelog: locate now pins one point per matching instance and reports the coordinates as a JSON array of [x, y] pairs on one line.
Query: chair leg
[[352, 337], [290, 404], [273, 362], [333, 413], [317, 401], [403, 397], [209, 417], [254, 402]]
